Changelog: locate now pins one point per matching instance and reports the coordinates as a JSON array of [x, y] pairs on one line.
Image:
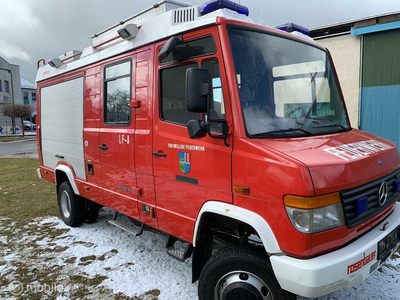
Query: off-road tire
[[242, 261], [72, 206]]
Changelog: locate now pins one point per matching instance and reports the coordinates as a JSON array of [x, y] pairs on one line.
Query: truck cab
[[214, 129]]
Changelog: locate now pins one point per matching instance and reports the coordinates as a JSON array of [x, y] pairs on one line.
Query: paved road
[[18, 149]]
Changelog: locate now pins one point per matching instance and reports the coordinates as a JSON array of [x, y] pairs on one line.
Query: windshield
[[287, 88]]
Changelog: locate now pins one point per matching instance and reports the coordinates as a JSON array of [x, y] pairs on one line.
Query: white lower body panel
[[337, 270]]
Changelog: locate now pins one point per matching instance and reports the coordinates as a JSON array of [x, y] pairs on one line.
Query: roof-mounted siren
[[295, 29], [55, 62], [214, 5], [129, 31]]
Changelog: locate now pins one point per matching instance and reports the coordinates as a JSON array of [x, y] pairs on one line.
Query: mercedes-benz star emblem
[[383, 193]]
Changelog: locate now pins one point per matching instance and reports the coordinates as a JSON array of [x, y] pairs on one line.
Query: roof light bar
[[214, 5], [290, 27]]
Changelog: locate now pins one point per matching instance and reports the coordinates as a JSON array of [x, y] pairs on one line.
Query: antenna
[[262, 10]]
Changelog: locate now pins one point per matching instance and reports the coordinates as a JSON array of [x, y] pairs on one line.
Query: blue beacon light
[[214, 5], [290, 27]]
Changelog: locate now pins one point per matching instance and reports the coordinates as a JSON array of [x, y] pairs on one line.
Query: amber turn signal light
[[241, 189], [311, 202]]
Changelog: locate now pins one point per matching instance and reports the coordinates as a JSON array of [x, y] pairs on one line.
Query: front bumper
[[336, 270]]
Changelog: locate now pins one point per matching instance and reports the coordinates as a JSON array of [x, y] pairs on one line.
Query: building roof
[[349, 26], [26, 84]]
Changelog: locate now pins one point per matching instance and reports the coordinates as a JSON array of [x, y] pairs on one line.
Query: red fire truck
[[213, 129]]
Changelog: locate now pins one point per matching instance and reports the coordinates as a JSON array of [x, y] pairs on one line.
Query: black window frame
[[164, 62], [105, 81]]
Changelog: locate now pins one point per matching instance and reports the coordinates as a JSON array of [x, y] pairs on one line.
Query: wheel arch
[[202, 240], [259, 224], [64, 172]]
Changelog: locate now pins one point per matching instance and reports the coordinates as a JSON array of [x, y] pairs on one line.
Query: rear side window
[[117, 93], [173, 98]]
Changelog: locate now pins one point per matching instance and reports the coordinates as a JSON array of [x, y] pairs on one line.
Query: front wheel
[[240, 272], [72, 207]]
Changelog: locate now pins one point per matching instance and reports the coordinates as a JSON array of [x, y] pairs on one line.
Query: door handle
[[103, 147], [158, 154], [59, 156]]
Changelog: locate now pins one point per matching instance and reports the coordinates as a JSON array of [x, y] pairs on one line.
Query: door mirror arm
[[224, 130], [198, 100]]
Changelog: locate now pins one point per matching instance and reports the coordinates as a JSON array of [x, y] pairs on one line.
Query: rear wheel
[[240, 272], [72, 207]]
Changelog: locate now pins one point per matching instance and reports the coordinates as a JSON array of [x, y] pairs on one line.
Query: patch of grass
[[23, 196], [154, 293], [70, 260], [16, 138], [102, 258], [88, 258], [85, 285]]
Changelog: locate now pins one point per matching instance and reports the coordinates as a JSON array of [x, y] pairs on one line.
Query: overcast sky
[[34, 29]]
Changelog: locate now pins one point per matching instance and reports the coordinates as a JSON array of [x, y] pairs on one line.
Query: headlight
[[315, 214]]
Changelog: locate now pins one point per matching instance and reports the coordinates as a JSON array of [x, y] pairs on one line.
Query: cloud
[[17, 15], [10, 51]]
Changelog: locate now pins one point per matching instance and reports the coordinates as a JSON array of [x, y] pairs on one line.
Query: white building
[[28, 93]]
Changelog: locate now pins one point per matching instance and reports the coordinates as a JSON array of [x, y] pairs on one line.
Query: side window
[[117, 93], [173, 98], [218, 104], [6, 86], [26, 98]]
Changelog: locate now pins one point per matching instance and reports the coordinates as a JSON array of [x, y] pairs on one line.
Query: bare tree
[[18, 111], [7, 111]]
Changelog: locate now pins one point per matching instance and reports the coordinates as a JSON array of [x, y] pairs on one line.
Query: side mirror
[[169, 47], [197, 129], [198, 89]]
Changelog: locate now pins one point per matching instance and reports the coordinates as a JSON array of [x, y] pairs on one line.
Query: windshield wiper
[[288, 130], [332, 125]]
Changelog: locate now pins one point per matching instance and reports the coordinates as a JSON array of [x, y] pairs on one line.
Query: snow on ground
[[133, 266]]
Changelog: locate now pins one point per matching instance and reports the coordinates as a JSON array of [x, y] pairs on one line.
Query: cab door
[[144, 135], [116, 138], [188, 172]]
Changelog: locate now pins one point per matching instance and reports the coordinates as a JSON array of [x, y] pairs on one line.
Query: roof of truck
[[157, 28]]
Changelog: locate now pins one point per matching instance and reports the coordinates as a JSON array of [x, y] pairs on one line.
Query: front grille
[[371, 190]]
